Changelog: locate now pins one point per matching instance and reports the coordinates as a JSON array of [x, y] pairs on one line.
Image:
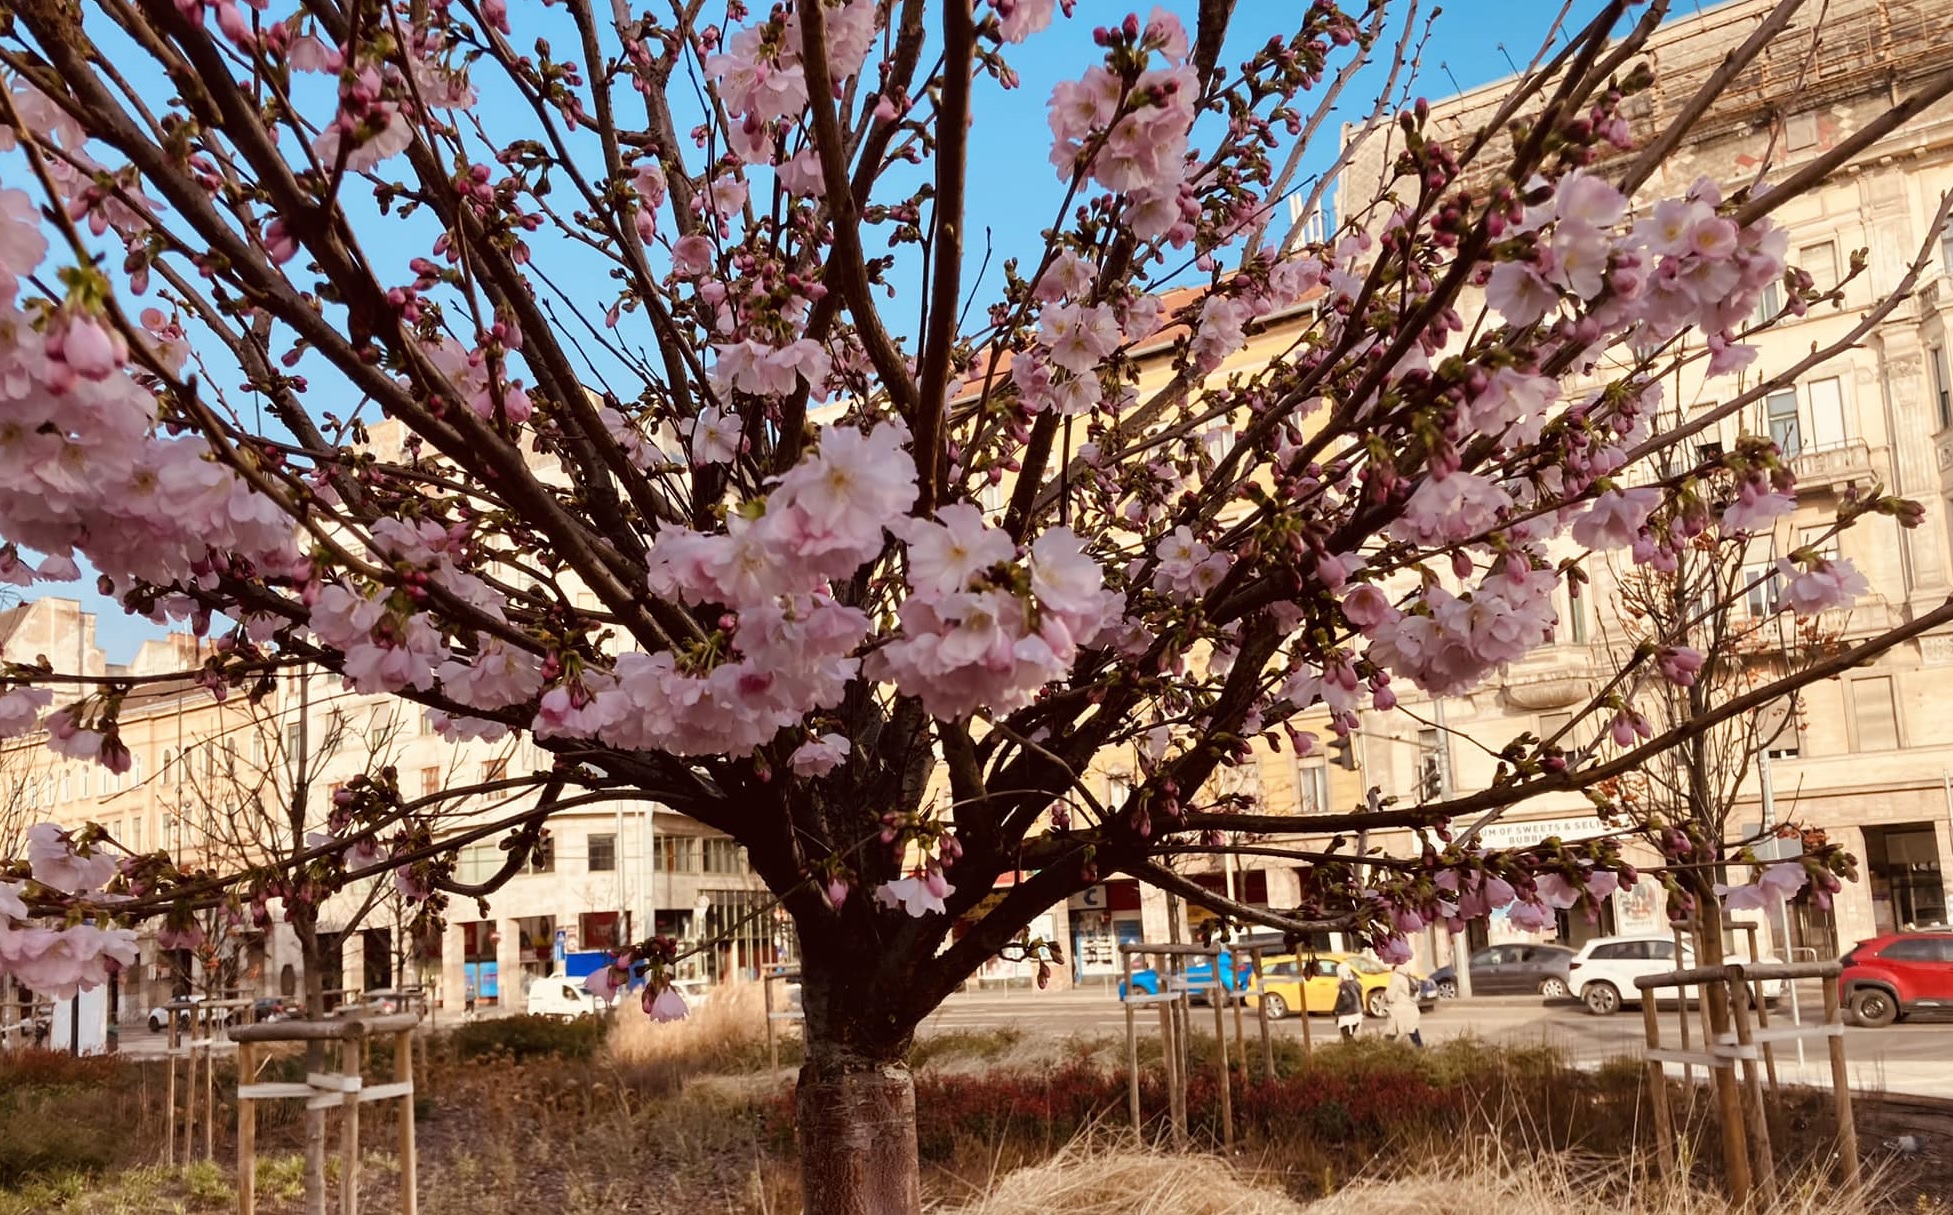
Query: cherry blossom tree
[[619, 378]]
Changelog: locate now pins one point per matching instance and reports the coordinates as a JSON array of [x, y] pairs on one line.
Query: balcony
[[1847, 461]]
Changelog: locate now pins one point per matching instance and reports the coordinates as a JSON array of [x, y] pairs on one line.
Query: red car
[[1898, 974]]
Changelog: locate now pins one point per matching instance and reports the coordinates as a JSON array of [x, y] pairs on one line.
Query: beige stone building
[[210, 783], [1869, 754]]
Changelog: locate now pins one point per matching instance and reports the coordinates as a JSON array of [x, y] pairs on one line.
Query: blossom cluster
[[58, 960]]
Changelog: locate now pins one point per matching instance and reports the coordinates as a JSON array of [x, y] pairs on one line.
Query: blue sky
[[1014, 191]]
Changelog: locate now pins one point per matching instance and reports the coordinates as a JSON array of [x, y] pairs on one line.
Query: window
[[494, 769], [293, 735], [1781, 413], [1433, 764], [1768, 304], [1827, 413], [1311, 787], [426, 723], [1550, 724], [1286, 969], [724, 856], [136, 822], [376, 739], [1942, 386], [1118, 787], [67, 785], [600, 930], [257, 750], [478, 863], [543, 858], [674, 854], [1946, 249], [169, 760], [83, 780], [1765, 588], [1823, 540], [1874, 716], [1913, 949], [1800, 131], [603, 854], [430, 781], [1820, 261], [1576, 614], [135, 769], [1776, 728]]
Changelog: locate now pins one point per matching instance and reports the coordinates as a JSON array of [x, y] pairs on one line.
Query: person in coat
[[1349, 1002], [1400, 1005]]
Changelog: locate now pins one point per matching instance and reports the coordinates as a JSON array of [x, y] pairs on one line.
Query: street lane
[[1913, 1057]]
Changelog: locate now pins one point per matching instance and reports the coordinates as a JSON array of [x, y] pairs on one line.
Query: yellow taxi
[[1291, 983]]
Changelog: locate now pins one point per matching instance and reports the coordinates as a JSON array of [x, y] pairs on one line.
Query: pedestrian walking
[[1349, 1002], [1400, 1005]]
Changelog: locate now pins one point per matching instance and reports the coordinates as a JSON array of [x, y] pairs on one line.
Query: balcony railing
[[1847, 461]]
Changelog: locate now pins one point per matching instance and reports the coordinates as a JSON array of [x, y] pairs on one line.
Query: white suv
[[1602, 974]]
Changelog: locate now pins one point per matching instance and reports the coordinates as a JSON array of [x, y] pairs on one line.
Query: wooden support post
[[247, 1134], [1237, 998], [209, 1086], [1729, 1102], [766, 998], [1132, 1043], [1666, 1158], [1682, 1013], [349, 1054], [1261, 1015], [1841, 1091], [1183, 1051], [1758, 1117], [1169, 1047], [1220, 1041], [190, 1093], [169, 1089], [403, 1071], [1769, 1050]]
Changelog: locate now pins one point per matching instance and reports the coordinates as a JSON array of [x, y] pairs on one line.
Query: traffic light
[[1342, 752]]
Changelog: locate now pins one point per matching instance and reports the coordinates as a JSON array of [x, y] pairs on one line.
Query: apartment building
[[1867, 756], [212, 782]]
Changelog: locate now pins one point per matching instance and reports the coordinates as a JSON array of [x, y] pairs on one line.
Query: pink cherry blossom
[[1824, 585], [56, 864], [1680, 665], [914, 895], [1615, 518], [665, 1005], [818, 757]]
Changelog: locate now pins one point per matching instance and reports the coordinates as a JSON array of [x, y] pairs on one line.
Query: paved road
[[1914, 1057]]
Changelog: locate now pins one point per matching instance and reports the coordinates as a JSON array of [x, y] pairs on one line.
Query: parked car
[[1506, 970], [1602, 974], [387, 1001], [1308, 984], [561, 996], [1197, 978], [277, 1008], [159, 1016], [1898, 974]]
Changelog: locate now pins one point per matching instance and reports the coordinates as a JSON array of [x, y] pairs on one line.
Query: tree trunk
[[857, 1139], [855, 1105]]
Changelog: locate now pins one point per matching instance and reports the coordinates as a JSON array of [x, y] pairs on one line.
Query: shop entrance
[[1902, 871]]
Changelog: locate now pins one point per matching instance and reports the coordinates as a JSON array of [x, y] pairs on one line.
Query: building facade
[[1865, 757], [212, 784]]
